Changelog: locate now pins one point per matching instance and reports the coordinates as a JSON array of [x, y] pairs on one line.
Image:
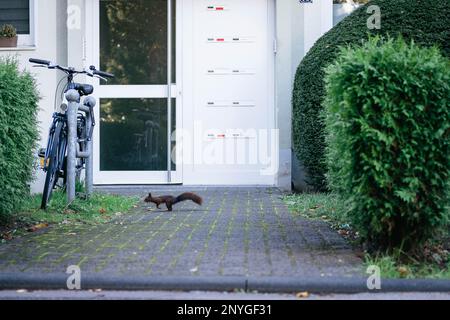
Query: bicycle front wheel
[[53, 164]]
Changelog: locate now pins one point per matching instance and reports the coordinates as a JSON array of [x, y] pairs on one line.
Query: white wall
[[318, 19], [50, 45], [298, 27]]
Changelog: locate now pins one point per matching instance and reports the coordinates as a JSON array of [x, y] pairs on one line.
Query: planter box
[[8, 42]]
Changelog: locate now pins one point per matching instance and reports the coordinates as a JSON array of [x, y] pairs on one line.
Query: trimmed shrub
[[18, 134], [388, 136], [427, 22]]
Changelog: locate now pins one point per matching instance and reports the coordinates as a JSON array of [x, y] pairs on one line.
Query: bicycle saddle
[[84, 89]]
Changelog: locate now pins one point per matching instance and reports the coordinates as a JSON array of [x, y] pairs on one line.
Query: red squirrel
[[171, 200]]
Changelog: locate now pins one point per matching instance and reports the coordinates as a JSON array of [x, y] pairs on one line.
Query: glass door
[[137, 110]]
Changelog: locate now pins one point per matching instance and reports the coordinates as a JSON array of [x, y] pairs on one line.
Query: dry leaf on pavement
[[37, 227], [302, 295], [403, 271]]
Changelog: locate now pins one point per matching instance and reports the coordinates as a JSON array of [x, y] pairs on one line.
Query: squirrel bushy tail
[[189, 196]]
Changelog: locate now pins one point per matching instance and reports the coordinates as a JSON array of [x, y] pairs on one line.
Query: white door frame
[[92, 56]]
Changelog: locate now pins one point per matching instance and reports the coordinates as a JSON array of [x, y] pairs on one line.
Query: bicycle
[[53, 157]]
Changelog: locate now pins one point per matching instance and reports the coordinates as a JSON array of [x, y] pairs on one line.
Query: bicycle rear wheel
[[53, 163]]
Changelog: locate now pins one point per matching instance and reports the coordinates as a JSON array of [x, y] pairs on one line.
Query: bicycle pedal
[[41, 156], [41, 152]]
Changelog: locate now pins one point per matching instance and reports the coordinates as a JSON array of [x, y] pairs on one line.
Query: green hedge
[[427, 22], [388, 137], [18, 134]]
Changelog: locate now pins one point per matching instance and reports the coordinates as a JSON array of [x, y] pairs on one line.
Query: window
[[21, 14]]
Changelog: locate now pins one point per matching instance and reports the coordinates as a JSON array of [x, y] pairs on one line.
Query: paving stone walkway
[[237, 232]]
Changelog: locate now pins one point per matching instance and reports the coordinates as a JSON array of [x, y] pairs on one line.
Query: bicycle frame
[[57, 117], [74, 139], [82, 142]]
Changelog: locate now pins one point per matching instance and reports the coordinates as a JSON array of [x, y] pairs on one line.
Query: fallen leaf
[[403, 271], [7, 236], [302, 295], [37, 227]]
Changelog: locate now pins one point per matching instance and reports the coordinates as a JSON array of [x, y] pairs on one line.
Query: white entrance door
[[138, 110], [229, 109]]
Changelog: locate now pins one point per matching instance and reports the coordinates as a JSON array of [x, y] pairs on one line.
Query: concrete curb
[[345, 285], [248, 284]]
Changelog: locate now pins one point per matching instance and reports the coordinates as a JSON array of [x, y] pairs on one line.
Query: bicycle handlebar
[[103, 74], [39, 61], [70, 70]]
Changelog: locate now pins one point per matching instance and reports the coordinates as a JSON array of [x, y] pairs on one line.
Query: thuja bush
[[425, 22], [18, 134], [388, 135]]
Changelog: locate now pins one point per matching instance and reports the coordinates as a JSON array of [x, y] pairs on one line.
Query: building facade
[[218, 74]]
